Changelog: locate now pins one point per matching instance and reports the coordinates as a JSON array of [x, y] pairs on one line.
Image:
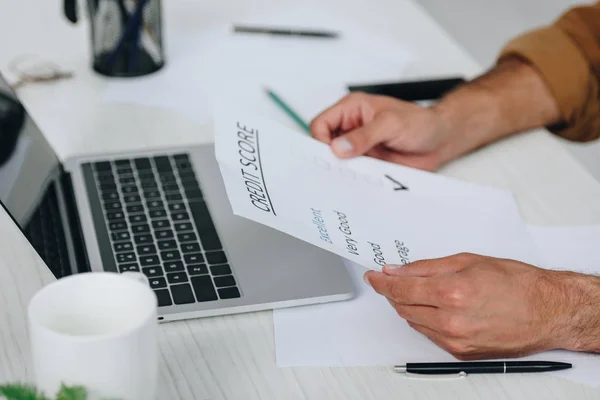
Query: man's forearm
[[509, 99]]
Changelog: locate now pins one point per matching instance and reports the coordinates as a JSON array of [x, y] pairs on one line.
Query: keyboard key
[[167, 244], [174, 197], [106, 178], [193, 258], [142, 163], [152, 194], [122, 246], [122, 164], [152, 272], [146, 175], [170, 255], [125, 257], [216, 257], [229, 293], [157, 283], [193, 194], [108, 187], [161, 224], [144, 228], [118, 236], [182, 294], [218, 270], [135, 209], [189, 183], [163, 163], [164, 234], [181, 159], [158, 214], [149, 184], [167, 178], [180, 216], [186, 237], [146, 250], [113, 206], [173, 266], [137, 219], [183, 226], [197, 269], [203, 288], [125, 171], [224, 281], [149, 260], [177, 277], [132, 198], [117, 226], [126, 180], [110, 196], [154, 204], [129, 189], [200, 214], [170, 187], [133, 267], [210, 241], [102, 166], [190, 247], [143, 239], [177, 207], [164, 297], [187, 175], [115, 215]]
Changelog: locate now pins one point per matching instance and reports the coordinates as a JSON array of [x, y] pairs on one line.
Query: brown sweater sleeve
[[567, 55]]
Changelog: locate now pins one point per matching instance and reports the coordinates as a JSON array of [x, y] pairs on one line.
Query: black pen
[[481, 367], [285, 32]]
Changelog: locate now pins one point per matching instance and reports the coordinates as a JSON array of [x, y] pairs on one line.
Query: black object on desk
[[285, 32], [481, 367], [413, 90], [126, 42], [12, 117]]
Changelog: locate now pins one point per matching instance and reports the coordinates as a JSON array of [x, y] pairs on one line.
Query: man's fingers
[[423, 315], [325, 124], [359, 141], [410, 291], [344, 115], [429, 268]]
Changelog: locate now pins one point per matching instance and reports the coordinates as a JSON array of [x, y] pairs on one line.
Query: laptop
[[163, 213]]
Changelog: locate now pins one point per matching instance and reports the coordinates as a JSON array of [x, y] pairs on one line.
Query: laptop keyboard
[[159, 224], [46, 233]]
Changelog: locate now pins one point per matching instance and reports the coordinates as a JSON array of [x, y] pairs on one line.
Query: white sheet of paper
[[204, 64], [293, 183], [367, 331]]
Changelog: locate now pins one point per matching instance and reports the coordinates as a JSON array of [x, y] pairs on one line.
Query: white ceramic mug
[[97, 330]]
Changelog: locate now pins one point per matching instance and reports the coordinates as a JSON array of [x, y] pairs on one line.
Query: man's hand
[[385, 128], [511, 98], [479, 307]]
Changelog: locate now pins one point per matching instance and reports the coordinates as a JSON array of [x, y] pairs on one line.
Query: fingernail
[[366, 279], [342, 145], [393, 267]]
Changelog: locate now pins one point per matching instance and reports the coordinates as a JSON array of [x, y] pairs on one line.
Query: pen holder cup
[[126, 37]]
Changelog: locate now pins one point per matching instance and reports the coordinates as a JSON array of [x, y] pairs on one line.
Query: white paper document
[[365, 210], [367, 331], [206, 62]]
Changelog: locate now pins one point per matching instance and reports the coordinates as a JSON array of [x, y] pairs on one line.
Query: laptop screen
[[29, 167]]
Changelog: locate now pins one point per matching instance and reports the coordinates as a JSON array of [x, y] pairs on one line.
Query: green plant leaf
[[71, 393], [20, 391]]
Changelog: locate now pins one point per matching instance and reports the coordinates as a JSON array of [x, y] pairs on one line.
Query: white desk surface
[[233, 357]]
